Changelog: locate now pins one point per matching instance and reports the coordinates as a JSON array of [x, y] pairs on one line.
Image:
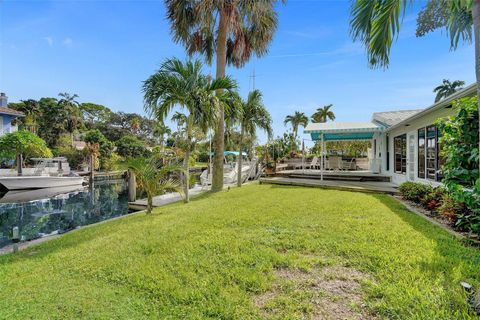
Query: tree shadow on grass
[[454, 255]]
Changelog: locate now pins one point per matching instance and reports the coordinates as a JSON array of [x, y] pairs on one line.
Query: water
[[44, 212]]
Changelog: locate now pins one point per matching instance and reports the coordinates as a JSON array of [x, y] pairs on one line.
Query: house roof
[[391, 118], [11, 112], [468, 91]]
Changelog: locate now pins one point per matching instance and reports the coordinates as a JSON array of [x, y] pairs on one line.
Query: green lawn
[[256, 252]]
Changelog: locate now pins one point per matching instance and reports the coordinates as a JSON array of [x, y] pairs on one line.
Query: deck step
[[337, 177]]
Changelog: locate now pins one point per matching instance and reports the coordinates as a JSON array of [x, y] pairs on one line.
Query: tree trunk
[[186, 175], [476, 28], [239, 169], [149, 203], [217, 179]]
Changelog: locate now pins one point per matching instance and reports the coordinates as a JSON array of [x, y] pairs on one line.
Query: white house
[[404, 143], [7, 116]]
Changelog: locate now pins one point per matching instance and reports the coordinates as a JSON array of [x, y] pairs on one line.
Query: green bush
[[105, 147], [433, 199], [24, 142], [414, 191]]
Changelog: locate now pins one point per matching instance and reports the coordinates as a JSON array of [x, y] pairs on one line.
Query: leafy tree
[[159, 131], [94, 113], [296, 120], [153, 177], [376, 23], [131, 147], [24, 142], [230, 30], [447, 88], [31, 109], [182, 84], [323, 114], [253, 115]]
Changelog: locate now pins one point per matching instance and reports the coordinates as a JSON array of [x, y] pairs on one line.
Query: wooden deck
[[358, 175], [359, 186]]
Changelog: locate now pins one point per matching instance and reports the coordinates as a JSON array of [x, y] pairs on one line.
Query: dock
[[164, 199]]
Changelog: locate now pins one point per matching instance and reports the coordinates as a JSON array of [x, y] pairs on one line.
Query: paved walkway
[[360, 186]]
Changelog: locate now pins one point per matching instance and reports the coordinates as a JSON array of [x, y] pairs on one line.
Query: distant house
[[405, 143], [7, 116]]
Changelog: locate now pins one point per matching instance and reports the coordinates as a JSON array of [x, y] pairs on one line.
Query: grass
[[248, 253], [201, 164]]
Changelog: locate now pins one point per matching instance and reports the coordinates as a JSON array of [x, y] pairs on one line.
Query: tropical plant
[[72, 111], [153, 177], [253, 114], [159, 131], [296, 120], [31, 109], [376, 23], [323, 114], [135, 124], [182, 84], [447, 88], [98, 143], [461, 153], [230, 30], [24, 142]]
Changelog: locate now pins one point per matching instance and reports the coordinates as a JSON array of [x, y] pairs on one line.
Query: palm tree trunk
[[149, 203], [476, 28], [186, 161], [217, 179], [239, 169]]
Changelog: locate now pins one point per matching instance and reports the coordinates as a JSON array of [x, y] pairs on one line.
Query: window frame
[[403, 154]]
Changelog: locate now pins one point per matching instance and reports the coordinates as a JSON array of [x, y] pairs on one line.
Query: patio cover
[[337, 131]]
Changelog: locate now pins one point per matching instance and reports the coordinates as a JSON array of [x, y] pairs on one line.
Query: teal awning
[[343, 136]]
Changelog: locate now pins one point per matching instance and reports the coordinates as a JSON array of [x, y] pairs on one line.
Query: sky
[[103, 50]]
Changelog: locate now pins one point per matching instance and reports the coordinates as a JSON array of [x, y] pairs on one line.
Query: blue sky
[[103, 50]]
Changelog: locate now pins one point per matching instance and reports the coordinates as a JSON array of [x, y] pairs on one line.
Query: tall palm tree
[[71, 107], [230, 30], [296, 120], [376, 23], [31, 109], [153, 177], [182, 84], [323, 114], [447, 88], [253, 115], [159, 131]]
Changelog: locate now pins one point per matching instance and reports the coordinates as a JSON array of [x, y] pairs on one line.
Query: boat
[[23, 196], [43, 177], [230, 170]]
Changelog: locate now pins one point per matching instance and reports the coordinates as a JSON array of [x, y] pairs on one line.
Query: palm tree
[[71, 107], [447, 88], [297, 119], [159, 131], [323, 114], [232, 31], [31, 109], [182, 84], [376, 24], [135, 124], [153, 177], [253, 115]]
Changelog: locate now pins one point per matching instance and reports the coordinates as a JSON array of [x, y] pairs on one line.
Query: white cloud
[[68, 42], [49, 40]]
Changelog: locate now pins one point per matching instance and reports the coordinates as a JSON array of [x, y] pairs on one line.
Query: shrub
[[414, 191], [24, 142], [450, 209], [433, 199]]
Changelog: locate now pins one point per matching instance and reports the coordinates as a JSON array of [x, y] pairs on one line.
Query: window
[[388, 153], [400, 145], [431, 152], [421, 153]]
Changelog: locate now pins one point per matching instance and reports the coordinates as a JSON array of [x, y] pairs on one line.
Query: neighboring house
[[7, 116], [404, 143]]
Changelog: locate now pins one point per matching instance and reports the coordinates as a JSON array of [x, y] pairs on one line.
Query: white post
[[321, 158], [303, 156]]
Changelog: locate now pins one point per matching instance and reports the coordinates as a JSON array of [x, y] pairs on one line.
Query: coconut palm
[[323, 114], [153, 177], [73, 116], [447, 88], [376, 23], [254, 115], [182, 84], [296, 120], [230, 30]]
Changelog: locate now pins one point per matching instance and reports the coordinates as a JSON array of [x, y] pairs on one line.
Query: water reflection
[[44, 212]]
